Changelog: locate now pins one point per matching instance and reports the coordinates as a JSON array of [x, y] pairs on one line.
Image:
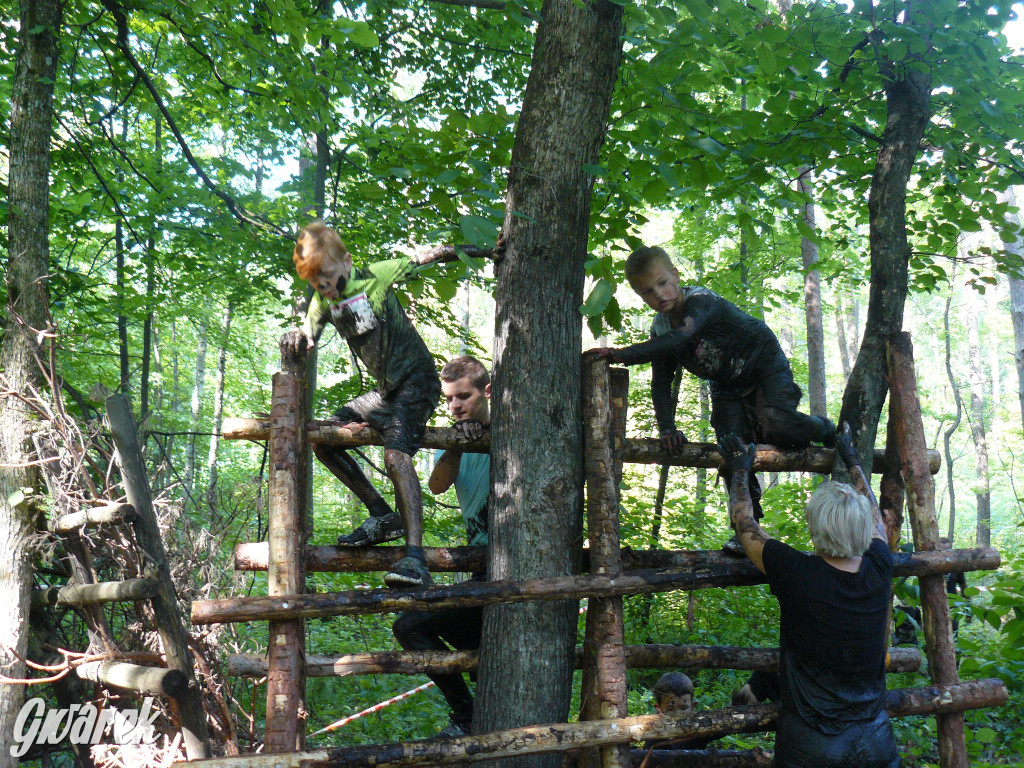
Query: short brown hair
[[643, 258], [672, 684], [313, 242], [466, 365]]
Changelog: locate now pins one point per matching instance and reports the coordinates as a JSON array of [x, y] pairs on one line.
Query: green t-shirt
[[371, 319], [472, 485]]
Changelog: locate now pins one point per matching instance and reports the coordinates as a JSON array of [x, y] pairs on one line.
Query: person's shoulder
[[778, 556], [878, 552], [660, 325]]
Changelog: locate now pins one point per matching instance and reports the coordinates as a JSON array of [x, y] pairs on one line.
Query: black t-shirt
[[832, 634]]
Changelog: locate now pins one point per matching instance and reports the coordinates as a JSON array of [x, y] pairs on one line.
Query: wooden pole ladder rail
[[614, 572]]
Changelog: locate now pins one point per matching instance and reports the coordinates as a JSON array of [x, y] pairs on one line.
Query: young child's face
[[334, 272], [659, 287], [670, 704]]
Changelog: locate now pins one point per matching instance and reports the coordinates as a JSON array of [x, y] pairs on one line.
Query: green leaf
[[446, 289], [594, 170], [16, 498], [478, 231], [986, 735], [363, 36], [597, 301], [710, 145]]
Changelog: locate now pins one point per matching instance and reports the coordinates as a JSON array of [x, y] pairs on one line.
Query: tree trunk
[[197, 408], [812, 306], [908, 105], [844, 350], [1017, 300], [122, 321], [147, 327], [982, 493], [536, 467], [948, 434], [28, 223], [218, 404]]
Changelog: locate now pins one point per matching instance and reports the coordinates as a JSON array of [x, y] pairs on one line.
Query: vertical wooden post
[[169, 623], [892, 490], [286, 677], [938, 633], [604, 677]]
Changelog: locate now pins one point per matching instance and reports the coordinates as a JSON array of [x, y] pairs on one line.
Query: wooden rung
[[86, 518], [562, 737], [92, 594], [637, 657], [722, 572], [327, 558], [154, 680], [644, 450]]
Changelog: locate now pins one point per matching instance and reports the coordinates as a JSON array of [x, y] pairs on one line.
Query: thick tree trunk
[[812, 306], [28, 224], [536, 467], [908, 104], [197, 408], [982, 493], [218, 404], [947, 435]]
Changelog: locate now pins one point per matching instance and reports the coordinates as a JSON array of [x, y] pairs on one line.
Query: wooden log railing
[[327, 558], [86, 518], [650, 656], [470, 594], [94, 594], [153, 680], [638, 450], [562, 737]]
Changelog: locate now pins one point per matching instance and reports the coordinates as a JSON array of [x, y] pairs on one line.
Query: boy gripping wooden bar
[[364, 309], [752, 389]]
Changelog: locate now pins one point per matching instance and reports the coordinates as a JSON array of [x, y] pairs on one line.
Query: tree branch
[[497, 5]]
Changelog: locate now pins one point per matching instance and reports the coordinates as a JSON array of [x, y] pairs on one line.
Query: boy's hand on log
[[295, 342], [844, 445], [610, 353], [735, 454], [673, 441], [469, 430]]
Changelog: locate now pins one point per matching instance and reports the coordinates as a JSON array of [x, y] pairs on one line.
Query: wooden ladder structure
[[176, 681], [604, 732]]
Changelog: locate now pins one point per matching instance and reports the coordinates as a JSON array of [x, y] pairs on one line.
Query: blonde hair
[[643, 258], [315, 240], [839, 520]]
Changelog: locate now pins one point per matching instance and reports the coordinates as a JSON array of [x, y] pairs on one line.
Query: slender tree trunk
[[28, 254], [218, 403], [948, 434], [147, 327], [1017, 299], [812, 306], [197, 408], [908, 106], [844, 350], [122, 321], [982, 493], [536, 462]]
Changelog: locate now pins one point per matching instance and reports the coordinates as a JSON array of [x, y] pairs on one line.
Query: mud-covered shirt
[[371, 319], [715, 341], [831, 635]]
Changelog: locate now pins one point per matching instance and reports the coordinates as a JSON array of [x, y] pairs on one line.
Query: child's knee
[[776, 424]]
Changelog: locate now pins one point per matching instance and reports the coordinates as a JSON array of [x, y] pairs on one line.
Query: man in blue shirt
[[466, 386]]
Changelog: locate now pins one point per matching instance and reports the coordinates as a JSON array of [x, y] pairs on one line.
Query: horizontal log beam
[[152, 680], [326, 558], [94, 594], [648, 656], [87, 518], [716, 571], [643, 450], [562, 737]]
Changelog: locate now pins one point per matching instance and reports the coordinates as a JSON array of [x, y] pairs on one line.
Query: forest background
[[191, 141]]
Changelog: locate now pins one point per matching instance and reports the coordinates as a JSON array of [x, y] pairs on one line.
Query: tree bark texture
[[938, 631], [286, 680], [642, 450], [982, 493], [947, 434], [28, 254], [532, 741], [650, 656], [812, 304], [108, 514], [536, 469], [604, 693], [254, 557], [218, 404], [844, 350], [1017, 298], [908, 105], [168, 619], [892, 490], [722, 572]]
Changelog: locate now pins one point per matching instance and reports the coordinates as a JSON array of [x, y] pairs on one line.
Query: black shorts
[[864, 744], [401, 415]]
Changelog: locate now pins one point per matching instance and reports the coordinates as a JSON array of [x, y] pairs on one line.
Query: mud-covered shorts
[[401, 415], [865, 744]]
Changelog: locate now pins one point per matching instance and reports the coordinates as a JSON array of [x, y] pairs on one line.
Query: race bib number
[[354, 316]]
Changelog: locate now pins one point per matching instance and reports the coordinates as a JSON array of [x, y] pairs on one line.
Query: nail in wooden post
[[938, 631]]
